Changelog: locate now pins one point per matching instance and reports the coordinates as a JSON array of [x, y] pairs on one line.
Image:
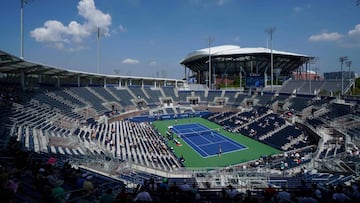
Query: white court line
[[211, 143], [222, 139], [197, 146]]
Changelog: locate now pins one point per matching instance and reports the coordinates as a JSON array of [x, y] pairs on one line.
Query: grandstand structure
[[31, 73], [231, 61], [104, 123], [234, 60]]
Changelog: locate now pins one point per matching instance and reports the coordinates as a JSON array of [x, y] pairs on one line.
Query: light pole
[[22, 27], [240, 78], [270, 31], [98, 51], [348, 64], [342, 60], [312, 61], [210, 75]]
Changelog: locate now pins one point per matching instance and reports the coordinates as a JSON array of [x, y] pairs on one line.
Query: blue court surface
[[205, 141]]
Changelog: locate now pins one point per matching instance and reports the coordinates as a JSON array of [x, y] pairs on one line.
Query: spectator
[[41, 180], [269, 193], [80, 180], [317, 193], [307, 197], [185, 187], [231, 192], [152, 186], [54, 180], [6, 194], [194, 191], [107, 197], [283, 197], [88, 185], [164, 186], [249, 197], [339, 195], [13, 184], [174, 191], [123, 196], [143, 196], [58, 193]]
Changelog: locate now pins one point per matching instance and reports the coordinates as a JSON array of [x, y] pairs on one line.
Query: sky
[[150, 37]]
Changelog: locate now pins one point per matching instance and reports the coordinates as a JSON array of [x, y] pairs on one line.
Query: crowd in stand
[[26, 177], [29, 177]]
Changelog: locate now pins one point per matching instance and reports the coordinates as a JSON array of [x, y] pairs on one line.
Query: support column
[[78, 81], [185, 76], [198, 77], [22, 79], [104, 82], [119, 83], [306, 70], [58, 81], [155, 83]]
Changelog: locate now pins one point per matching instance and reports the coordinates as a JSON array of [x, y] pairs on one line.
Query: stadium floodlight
[[348, 64], [342, 59], [209, 77], [22, 27], [270, 31], [312, 61], [98, 50]]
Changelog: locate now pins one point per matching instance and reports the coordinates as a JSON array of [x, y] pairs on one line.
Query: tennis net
[[209, 132]]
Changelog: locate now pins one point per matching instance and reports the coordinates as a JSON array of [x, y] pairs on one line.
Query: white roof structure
[[12, 65], [228, 57]]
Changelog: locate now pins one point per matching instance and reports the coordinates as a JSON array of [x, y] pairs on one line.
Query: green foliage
[[357, 82], [356, 90], [323, 92], [337, 93]]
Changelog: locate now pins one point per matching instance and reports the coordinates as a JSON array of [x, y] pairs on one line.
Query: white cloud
[[301, 8], [70, 37], [326, 36], [354, 34], [237, 38], [53, 31], [298, 9], [221, 2], [207, 3], [350, 39], [122, 28], [153, 63], [130, 61], [151, 42]]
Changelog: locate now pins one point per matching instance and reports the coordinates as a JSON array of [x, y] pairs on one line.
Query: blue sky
[[150, 37]]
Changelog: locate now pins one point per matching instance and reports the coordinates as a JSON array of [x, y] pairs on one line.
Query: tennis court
[[206, 142]]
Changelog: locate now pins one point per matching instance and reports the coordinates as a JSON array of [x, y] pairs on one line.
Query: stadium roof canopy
[[10, 64], [229, 58]]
